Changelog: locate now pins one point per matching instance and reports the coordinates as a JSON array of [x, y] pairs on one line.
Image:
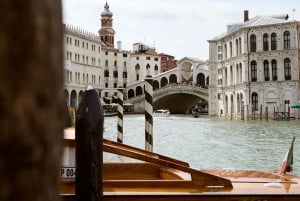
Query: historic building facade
[[93, 59], [255, 65]]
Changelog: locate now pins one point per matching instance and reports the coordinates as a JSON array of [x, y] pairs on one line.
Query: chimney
[[246, 15], [119, 43]]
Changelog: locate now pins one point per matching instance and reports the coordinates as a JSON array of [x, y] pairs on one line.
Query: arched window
[[252, 43], [236, 47], [106, 73], [240, 46], [266, 70], [115, 74], [286, 40], [241, 73], [230, 49], [273, 41], [137, 67], [254, 100], [125, 74], [274, 70], [237, 73], [287, 69], [147, 66], [266, 42], [155, 67], [253, 71], [225, 51], [231, 75]]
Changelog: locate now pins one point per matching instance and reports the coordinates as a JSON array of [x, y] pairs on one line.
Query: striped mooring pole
[[120, 115], [149, 113]]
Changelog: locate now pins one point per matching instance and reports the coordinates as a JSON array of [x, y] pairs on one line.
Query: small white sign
[[67, 172]]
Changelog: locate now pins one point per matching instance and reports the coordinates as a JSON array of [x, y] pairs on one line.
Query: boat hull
[[157, 177], [191, 197]]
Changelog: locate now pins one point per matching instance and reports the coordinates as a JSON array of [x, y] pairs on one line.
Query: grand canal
[[212, 142]]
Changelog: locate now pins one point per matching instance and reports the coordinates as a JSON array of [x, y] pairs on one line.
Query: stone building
[[254, 65], [93, 59], [167, 62]]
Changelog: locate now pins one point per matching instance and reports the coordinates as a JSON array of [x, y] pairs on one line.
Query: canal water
[[212, 142]]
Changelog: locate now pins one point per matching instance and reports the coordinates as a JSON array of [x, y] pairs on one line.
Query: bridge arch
[[130, 93], [163, 82], [67, 98], [80, 94], [139, 91], [155, 84], [173, 79], [73, 101], [178, 98], [201, 80]]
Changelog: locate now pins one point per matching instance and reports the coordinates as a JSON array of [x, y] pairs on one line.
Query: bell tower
[[107, 33]]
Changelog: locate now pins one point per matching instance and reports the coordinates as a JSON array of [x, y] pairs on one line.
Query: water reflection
[[214, 143]]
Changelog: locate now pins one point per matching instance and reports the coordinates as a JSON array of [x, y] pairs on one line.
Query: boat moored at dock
[[151, 176]]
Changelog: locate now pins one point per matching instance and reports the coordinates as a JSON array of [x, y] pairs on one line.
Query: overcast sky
[[176, 27]]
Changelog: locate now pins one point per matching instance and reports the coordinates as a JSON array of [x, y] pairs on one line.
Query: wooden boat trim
[[199, 178]]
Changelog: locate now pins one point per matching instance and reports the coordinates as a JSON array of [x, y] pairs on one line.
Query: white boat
[[162, 113]]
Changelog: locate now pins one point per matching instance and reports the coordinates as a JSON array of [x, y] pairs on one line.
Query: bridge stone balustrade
[[169, 90]]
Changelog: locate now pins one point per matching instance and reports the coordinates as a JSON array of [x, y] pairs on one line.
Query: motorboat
[[152, 176], [109, 114], [162, 113], [195, 113]]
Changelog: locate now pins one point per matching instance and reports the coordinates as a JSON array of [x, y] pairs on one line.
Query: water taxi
[[162, 113], [152, 176]]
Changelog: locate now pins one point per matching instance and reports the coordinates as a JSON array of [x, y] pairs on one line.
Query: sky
[[176, 27]]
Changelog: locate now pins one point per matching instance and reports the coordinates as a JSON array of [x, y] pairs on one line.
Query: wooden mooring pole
[[31, 99], [149, 113], [89, 139], [260, 112], [120, 115], [267, 114]]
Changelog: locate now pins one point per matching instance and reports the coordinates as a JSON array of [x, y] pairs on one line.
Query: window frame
[[266, 71], [253, 67], [266, 42], [252, 43], [286, 40], [273, 41], [287, 69]]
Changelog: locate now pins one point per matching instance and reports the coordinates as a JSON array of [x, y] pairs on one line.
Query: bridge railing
[[170, 88]]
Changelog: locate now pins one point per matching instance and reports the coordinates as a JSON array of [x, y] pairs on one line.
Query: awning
[[296, 105]]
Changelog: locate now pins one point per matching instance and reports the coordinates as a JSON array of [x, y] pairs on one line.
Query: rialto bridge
[[176, 89]]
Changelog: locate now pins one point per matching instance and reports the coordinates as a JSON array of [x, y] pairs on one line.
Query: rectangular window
[[273, 41]]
